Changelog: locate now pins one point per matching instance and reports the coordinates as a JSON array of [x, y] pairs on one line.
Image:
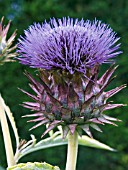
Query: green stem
[[6, 136], [72, 151]]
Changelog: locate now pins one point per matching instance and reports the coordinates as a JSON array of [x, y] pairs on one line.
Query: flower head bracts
[[75, 105], [69, 45]]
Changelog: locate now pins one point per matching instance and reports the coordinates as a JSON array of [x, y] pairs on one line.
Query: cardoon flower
[[68, 54], [6, 49], [68, 45]]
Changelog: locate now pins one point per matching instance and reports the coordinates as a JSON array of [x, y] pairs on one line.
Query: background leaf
[[33, 166], [1, 168]]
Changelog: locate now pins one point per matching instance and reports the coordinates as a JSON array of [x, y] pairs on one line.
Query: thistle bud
[[6, 49]]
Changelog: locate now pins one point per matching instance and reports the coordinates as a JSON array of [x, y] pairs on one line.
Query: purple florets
[[68, 44]]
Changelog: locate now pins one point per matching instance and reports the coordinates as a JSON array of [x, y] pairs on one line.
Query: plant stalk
[[6, 136], [72, 151]]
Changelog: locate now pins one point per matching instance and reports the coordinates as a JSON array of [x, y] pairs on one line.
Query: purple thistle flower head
[[68, 44]]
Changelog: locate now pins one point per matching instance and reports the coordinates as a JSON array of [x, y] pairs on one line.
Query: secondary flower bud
[[6, 49]]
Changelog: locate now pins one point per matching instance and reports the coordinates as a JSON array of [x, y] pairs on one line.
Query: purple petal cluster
[[68, 44]]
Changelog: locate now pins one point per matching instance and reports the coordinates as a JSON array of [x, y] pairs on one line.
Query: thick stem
[[6, 136], [72, 151]]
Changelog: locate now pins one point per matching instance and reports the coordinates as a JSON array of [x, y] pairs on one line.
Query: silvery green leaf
[[58, 141], [33, 166], [90, 142], [11, 119]]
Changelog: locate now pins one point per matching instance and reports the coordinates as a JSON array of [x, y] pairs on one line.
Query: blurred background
[[24, 13]]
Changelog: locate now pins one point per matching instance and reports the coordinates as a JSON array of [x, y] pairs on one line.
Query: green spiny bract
[[6, 49], [73, 101]]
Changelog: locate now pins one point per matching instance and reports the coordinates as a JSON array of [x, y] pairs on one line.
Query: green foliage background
[[23, 13]]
